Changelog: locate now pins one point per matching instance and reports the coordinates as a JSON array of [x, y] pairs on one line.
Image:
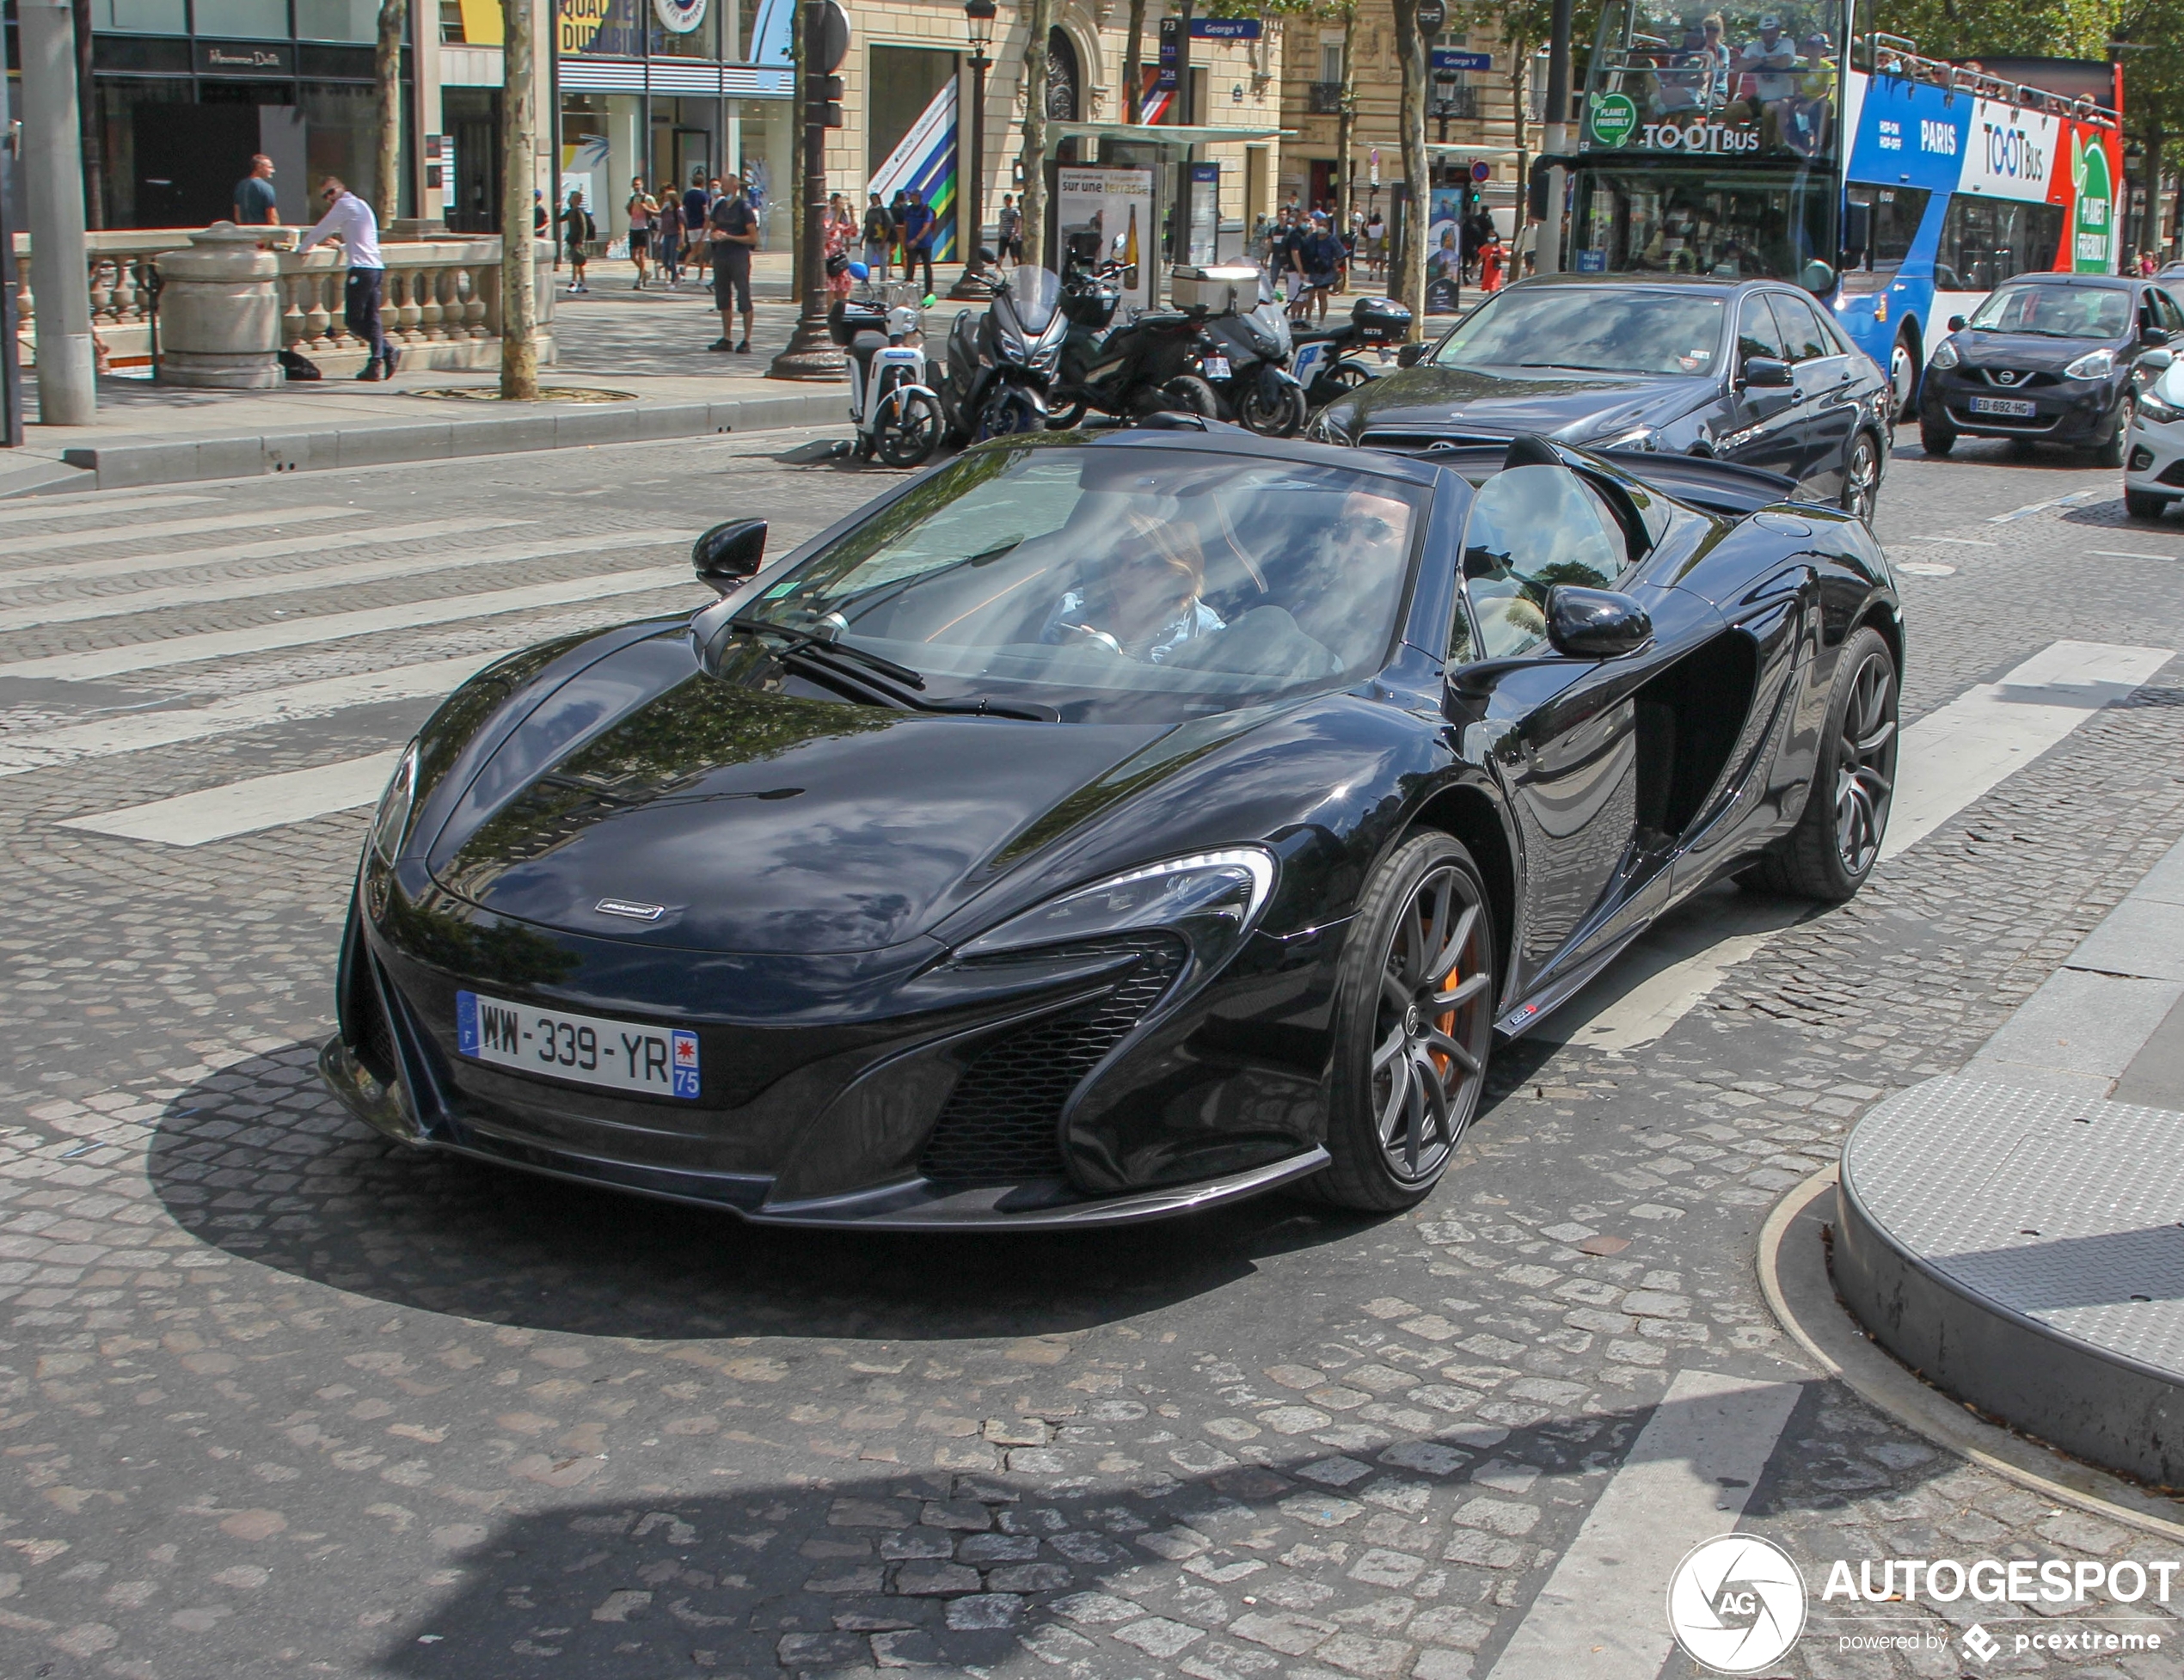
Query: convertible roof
[[1719, 487]]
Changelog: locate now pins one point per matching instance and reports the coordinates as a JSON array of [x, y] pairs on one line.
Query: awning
[[1476, 151], [1162, 133]]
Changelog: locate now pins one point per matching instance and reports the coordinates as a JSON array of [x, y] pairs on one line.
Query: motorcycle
[[1245, 358], [1328, 364], [1144, 366], [896, 413], [1001, 364]]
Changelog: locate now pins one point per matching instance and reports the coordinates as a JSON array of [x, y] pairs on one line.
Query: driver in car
[[1141, 598]]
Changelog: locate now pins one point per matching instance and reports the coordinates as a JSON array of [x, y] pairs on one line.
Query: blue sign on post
[[1224, 29], [1455, 58], [1165, 80]]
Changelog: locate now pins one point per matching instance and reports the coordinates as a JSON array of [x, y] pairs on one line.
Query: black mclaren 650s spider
[[1100, 827]]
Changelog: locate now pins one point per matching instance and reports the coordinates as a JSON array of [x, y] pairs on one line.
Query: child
[[578, 230]]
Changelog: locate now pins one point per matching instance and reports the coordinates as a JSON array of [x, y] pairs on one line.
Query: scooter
[[1149, 365], [1329, 362], [896, 414], [1001, 364], [1245, 358]]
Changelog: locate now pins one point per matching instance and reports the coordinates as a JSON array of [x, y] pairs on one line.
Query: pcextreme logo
[[1736, 1603]]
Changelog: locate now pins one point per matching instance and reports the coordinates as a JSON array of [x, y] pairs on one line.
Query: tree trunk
[[1345, 125], [386, 65], [1409, 271], [1133, 73], [519, 172], [1041, 15], [87, 109]]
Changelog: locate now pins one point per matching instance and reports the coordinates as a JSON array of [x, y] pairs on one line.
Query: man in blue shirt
[[255, 206], [920, 226]]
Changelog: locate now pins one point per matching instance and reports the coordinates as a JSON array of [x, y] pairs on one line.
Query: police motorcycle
[[896, 413], [1002, 363], [1245, 353], [1330, 361]]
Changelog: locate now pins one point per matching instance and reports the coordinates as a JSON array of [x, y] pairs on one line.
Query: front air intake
[[1001, 1124]]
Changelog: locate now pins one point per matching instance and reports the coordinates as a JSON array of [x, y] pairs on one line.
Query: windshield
[[2055, 311], [1035, 294], [1674, 220], [1592, 329], [1118, 584]]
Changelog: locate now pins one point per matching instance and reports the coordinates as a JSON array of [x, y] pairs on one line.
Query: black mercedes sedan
[[2046, 358], [1101, 826], [1752, 371]]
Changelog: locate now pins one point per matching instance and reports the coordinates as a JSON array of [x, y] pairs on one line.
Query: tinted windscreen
[[1120, 583], [1600, 328], [1733, 226], [2055, 311]]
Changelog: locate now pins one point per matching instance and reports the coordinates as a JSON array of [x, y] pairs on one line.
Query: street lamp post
[[970, 198], [811, 353]]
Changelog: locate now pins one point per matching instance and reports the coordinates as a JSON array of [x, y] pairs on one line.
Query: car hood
[[722, 817], [1499, 401], [2025, 350]]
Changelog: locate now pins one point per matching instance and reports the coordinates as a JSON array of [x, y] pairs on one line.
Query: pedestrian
[[668, 240], [578, 232], [695, 203], [897, 208], [349, 219], [255, 206], [538, 219], [839, 229], [1491, 258], [879, 237], [920, 226], [732, 227], [1377, 248], [1011, 229], [642, 209]]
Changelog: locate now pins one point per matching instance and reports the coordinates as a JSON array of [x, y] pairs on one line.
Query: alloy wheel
[[1861, 478], [1430, 1033], [1865, 770]]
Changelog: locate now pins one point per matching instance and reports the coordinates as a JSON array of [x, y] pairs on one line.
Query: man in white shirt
[[349, 219]]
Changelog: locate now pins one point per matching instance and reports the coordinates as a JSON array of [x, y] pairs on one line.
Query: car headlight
[[1945, 354], [391, 821], [2093, 365], [1635, 437], [1211, 900], [2153, 408]]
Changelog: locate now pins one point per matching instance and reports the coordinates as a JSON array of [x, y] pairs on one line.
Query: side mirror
[[2153, 335], [1411, 354], [1956, 324], [1766, 373], [2155, 361], [729, 555], [1595, 624], [1817, 277]]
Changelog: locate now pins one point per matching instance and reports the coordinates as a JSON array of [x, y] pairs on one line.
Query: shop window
[[243, 20], [337, 20], [140, 17]]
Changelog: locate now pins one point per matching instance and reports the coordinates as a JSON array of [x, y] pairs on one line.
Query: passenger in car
[[1141, 599]]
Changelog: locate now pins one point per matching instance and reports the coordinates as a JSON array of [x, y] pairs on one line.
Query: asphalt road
[[277, 1398]]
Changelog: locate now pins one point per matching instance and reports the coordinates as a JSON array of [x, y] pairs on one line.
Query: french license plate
[[621, 1055], [1217, 367], [2014, 407]]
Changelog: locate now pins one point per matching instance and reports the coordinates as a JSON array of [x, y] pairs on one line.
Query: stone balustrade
[[441, 307]]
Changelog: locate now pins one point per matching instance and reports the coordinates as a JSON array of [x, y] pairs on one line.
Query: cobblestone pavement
[[276, 1397]]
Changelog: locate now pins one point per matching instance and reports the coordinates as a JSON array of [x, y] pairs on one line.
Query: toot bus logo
[[2012, 154]]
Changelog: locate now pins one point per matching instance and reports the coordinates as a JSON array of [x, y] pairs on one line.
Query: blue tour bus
[[1769, 139]]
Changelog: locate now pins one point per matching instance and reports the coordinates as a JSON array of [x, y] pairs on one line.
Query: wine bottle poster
[[1099, 213]]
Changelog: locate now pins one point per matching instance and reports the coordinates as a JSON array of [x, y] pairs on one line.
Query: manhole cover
[[546, 394]]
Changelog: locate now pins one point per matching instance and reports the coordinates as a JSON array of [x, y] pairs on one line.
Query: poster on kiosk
[[1102, 212]]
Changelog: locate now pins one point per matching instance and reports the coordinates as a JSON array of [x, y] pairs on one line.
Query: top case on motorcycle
[[849, 315]]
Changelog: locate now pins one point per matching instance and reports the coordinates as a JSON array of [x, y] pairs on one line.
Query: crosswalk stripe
[[324, 577], [38, 509], [339, 626], [108, 737], [85, 539], [130, 565], [246, 807]]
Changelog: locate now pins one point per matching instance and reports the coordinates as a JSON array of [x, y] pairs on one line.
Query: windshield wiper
[[874, 679], [800, 641], [1580, 367]]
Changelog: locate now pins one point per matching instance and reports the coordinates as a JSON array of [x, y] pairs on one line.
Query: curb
[[130, 462], [1795, 1279]]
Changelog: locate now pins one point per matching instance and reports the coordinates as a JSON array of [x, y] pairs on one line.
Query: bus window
[[1730, 225], [1985, 241], [1893, 219]]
